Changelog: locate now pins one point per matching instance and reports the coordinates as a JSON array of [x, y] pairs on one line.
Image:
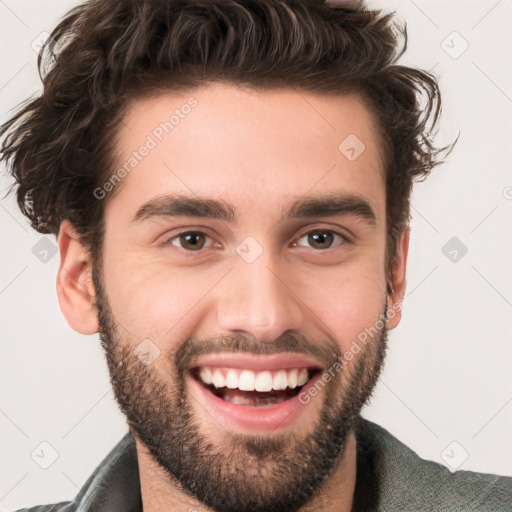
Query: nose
[[258, 299]]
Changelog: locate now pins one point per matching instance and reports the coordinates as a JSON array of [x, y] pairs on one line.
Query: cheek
[[348, 302], [156, 301]]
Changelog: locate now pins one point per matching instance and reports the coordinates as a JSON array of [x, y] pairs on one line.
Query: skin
[[256, 151]]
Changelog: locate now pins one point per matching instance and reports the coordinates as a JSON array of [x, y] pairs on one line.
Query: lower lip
[[245, 417]]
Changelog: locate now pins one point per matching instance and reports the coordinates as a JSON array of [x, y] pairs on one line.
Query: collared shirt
[[390, 477]]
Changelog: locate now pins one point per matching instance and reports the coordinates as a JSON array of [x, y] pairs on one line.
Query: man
[[229, 182]]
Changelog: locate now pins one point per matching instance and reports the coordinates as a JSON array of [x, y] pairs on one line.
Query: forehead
[[247, 146]]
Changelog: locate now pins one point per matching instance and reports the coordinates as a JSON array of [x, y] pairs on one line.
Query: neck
[[160, 493]]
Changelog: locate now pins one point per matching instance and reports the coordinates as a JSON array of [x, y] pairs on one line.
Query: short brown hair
[[103, 54]]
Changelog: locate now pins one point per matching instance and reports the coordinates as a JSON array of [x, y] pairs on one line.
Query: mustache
[[325, 351]]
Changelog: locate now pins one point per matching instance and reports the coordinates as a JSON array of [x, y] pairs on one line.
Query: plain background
[[446, 391]]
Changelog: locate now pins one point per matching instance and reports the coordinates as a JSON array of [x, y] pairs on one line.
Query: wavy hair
[[60, 146]]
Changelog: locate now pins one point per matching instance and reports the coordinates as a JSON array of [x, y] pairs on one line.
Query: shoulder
[[401, 480], [113, 485], [64, 506]]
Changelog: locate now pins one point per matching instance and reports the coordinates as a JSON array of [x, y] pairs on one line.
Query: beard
[[234, 472]]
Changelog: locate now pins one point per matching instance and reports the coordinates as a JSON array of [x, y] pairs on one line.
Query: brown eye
[[320, 239], [190, 241]]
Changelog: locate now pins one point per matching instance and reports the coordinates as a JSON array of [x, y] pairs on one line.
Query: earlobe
[[75, 289], [398, 281]]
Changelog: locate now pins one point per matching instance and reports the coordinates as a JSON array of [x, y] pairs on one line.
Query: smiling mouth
[[250, 388]]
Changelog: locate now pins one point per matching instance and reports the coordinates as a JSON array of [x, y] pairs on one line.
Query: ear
[[398, 281], [75, 288]]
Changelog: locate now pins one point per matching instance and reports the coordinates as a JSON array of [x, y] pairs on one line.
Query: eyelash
[[343, 239]]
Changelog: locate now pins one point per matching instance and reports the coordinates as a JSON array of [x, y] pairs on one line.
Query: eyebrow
[[330, 204]]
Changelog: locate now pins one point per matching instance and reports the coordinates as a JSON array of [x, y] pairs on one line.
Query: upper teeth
[[249, 380]]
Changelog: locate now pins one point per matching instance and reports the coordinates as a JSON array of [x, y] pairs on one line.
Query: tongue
[[254, 398]]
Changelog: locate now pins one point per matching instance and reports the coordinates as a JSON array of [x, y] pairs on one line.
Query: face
[[243, 263]]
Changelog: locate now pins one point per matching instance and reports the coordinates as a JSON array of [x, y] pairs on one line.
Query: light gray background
[[446, 390]]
